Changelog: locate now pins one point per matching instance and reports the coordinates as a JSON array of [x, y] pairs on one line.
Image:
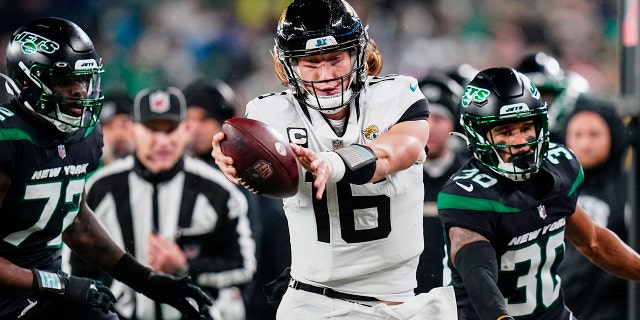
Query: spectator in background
[[174, 213], [209, 104], [561, 89], [444, 157], [595, 134], [117, 125]]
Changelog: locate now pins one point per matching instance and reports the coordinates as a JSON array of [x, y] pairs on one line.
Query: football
[[265, 163]]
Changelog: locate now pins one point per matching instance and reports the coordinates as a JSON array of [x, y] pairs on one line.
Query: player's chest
[[54, 162]]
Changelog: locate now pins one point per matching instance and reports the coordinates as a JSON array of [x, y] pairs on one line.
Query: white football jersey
[[359, 239]]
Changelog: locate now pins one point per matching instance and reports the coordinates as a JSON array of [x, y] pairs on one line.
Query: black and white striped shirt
[[194, 204]]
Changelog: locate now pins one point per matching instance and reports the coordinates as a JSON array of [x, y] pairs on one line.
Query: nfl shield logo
[[337, 144], [542, 211], [260, 171], [62, 153], [159, 102]]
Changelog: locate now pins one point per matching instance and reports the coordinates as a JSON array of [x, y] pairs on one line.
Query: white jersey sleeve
[[360, 239]]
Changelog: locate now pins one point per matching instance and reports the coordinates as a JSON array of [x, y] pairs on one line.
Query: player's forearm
[[399, 148], [14, 279], [88, 239], [613, 255]]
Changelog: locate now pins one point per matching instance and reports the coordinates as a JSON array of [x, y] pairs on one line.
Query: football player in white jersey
[[356, 221]]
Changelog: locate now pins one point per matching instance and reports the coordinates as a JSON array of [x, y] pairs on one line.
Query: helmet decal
[[534, 90], [474, 94], [31, 42], [321, 42], [513, 108]]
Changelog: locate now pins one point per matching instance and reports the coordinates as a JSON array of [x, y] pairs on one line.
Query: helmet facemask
[[311, 28], [520, 166], [54, 72], [40, 90], [305, 90]]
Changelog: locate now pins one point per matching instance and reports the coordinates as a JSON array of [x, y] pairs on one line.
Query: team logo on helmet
[[281, 21], [475, 94], [32, 42], [514, 108], [371, 132], [534, 90], [321, 42]]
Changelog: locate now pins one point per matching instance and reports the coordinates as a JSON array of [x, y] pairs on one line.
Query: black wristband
[[360, 163], [48, 282], [130, 272]]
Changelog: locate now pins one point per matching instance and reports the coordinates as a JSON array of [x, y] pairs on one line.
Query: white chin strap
[[512, 172], [68, 123], [329, 104]]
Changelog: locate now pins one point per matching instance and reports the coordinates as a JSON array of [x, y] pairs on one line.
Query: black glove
[[173, 291], [162, 288], [79, 290]]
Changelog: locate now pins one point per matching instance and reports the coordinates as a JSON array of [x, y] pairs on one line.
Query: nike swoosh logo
[[413, 87], [468, 188], [29, 307]]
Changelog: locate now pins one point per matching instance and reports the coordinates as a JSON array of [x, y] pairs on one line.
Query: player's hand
[[225, 164], [318, 166], [76, 289], [173, 291], [164, 255]]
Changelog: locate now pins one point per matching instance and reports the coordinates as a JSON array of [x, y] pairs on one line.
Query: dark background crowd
[[145, 43]]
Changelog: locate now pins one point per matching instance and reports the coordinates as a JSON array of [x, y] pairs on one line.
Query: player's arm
[[395, 150], [601, 246], [89, 240], [400, 147], [475, 259]]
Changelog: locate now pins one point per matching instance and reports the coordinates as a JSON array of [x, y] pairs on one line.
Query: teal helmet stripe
[[451, 201], [12, 134]]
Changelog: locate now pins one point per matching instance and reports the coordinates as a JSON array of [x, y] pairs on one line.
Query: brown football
[[265, 163]]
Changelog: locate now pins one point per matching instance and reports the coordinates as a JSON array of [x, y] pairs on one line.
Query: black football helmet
[[442, 92], [496, 96], [560, 88], [311, 27], [52, 52]]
